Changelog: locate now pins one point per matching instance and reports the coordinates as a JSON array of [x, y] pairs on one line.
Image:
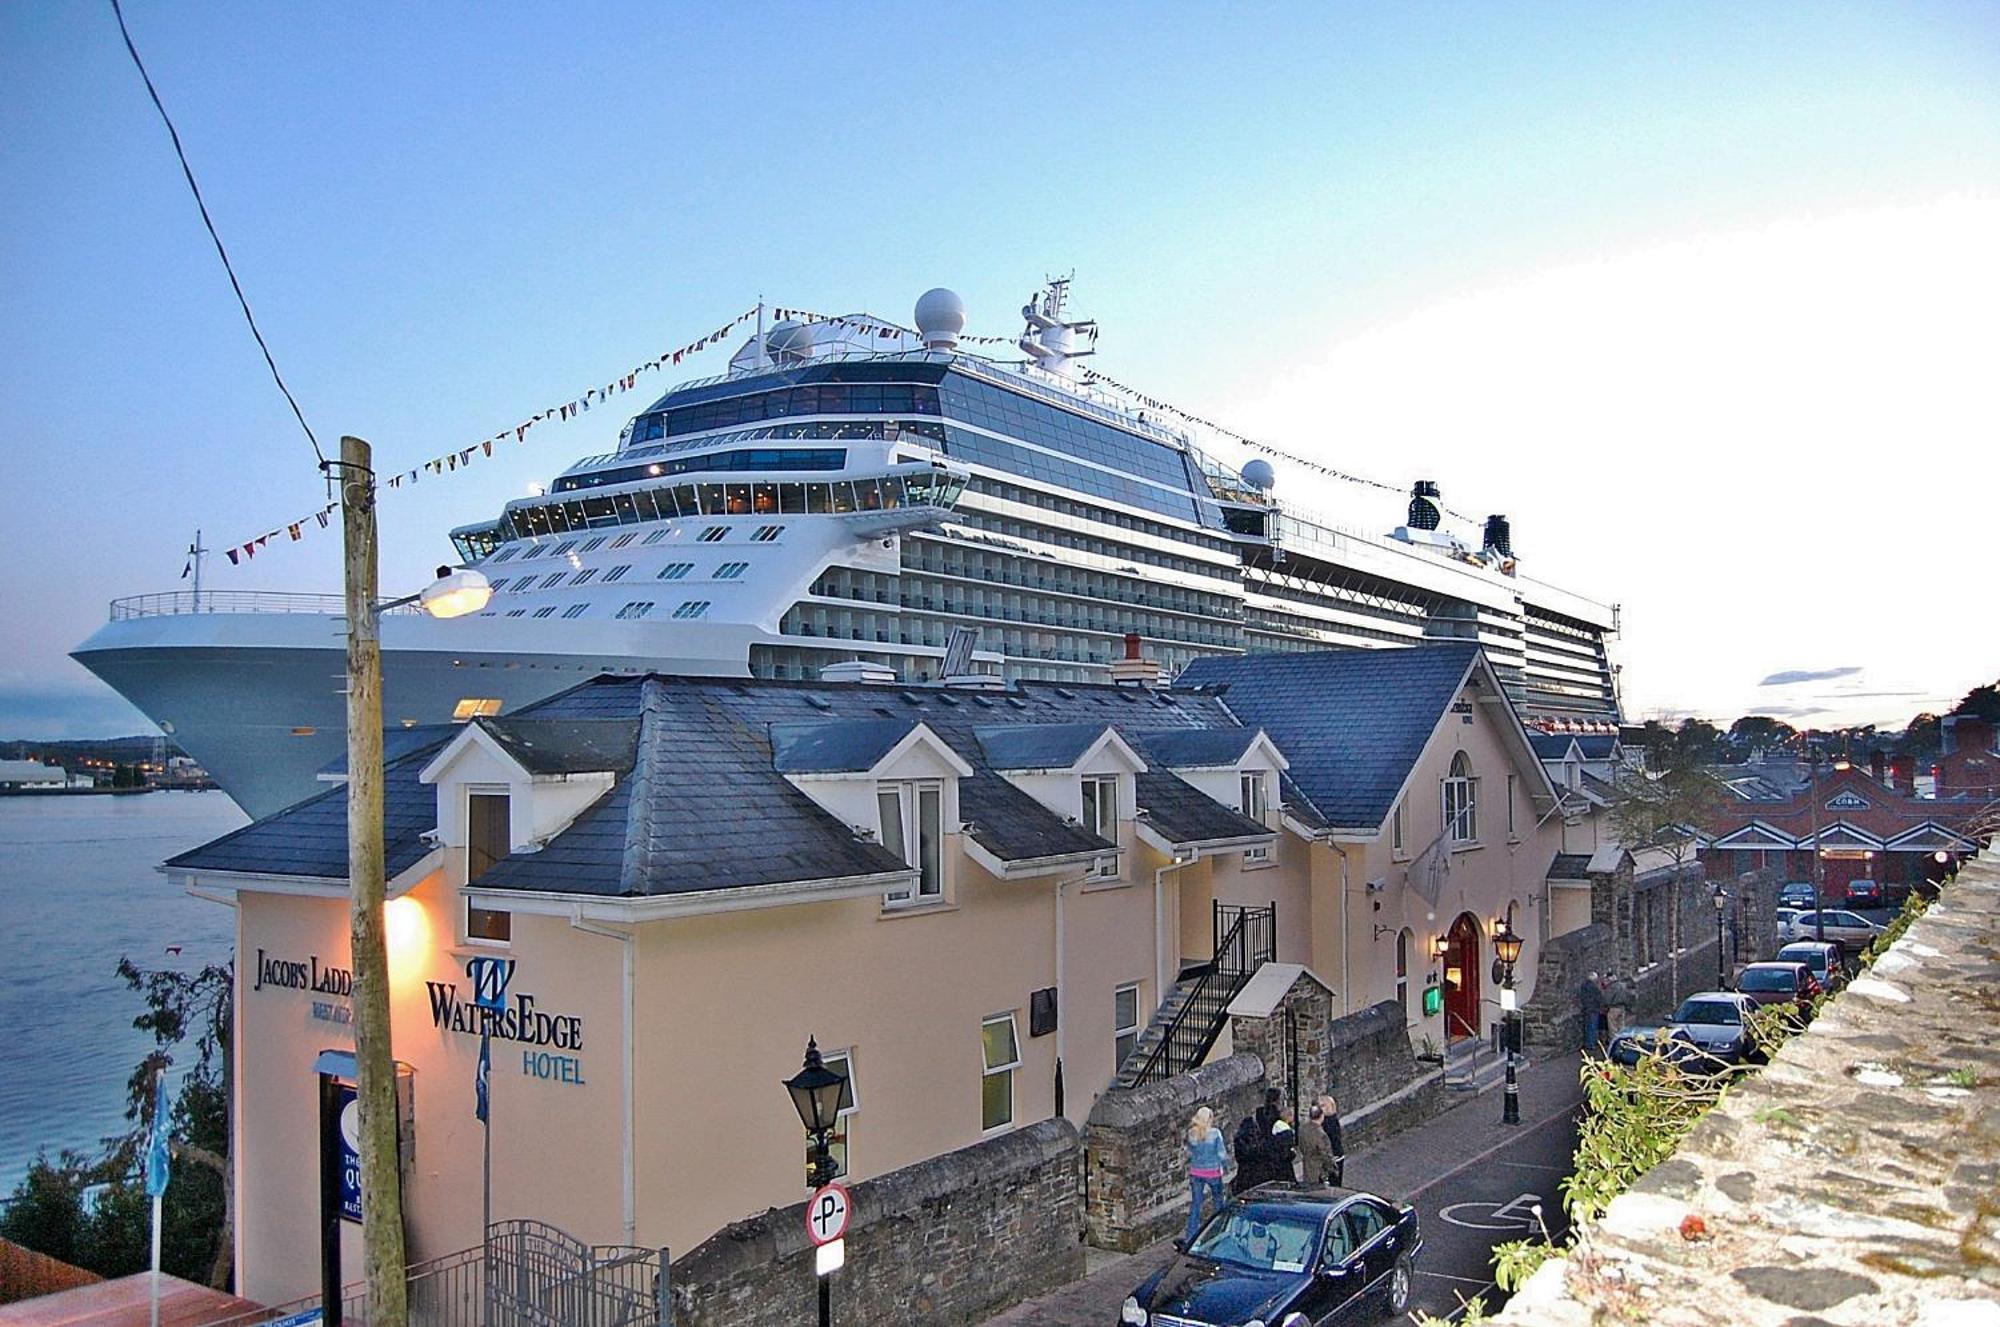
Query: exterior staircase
[[1472, 1065], [1185, 1027]]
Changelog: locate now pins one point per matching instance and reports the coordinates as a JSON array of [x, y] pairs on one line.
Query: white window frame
[[908, 840], [1460, 805], [841, 1142], [991, 1070], [1121, 1031], [1396, 836], [1093, 793], [1254, 798]]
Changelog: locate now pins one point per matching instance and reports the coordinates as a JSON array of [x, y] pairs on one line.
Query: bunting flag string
[[1319, 467], [452, 462]]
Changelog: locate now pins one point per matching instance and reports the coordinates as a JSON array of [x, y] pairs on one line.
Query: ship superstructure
[[853, 492]]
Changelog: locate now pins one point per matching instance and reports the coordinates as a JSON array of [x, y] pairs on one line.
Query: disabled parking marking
[[1516, 1213]]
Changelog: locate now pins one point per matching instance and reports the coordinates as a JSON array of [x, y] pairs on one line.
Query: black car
[[1865, 894], [1797, 894], [1287, 1255], [1708, 1031]]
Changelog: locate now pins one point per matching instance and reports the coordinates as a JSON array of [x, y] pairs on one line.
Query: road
[[1486, 1200]]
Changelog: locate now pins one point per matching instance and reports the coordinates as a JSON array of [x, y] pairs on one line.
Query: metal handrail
[[1248, 944], [182, 603]]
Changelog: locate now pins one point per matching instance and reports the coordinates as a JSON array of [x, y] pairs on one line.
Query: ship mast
[[196, 553]]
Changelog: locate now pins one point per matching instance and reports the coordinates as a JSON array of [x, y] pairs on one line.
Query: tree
[[1981, 703], [1665, 809], [1761, 730], [1696, 742]]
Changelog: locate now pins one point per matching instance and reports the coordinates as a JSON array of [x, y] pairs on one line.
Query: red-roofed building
[[1867, 829]]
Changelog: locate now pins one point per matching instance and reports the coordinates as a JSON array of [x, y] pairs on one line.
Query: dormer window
[[488, 839], [1461, 821], [912, 820]]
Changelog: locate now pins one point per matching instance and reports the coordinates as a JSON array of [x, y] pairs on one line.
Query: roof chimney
[[1878, 765], [1134, 670]]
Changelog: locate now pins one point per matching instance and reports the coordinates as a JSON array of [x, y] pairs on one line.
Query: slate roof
[[834, 746], [397, 743], [1597, 746], [309, 838], [1183, 813], [1198, 748], [1550, 746], [542, 746], [704, 805], [1037, 746], [1570, 866], [1351, 722]]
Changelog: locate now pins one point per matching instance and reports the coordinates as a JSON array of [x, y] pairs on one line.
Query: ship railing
[[180, 603]]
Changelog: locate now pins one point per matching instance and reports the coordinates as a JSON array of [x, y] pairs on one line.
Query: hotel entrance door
[[1461, 978]]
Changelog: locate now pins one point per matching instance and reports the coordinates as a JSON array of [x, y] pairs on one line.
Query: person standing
[[1251, 1146], [1329, 1124], [1315, 1155], [1205, 1165], [1590, 999]]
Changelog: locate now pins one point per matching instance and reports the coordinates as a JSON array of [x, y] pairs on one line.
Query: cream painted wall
[[1569, 908], [555, 1144]]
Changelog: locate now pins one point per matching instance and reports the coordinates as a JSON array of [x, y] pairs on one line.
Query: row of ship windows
[[1082, 542], [824, 399], [714, 534], [1388, 611], [1295, 632], [689, 608], [1056, 502], [638, 506], [781, 661], [897, 628], [673, 571], [996, 408], [917, 594], [745, 458], [1049, 469], [1041, 574]]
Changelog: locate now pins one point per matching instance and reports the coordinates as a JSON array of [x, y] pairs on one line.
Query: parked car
[[1851, 929], [1787, 921], [1709, 1030], [1789, 982], [1824, 957], [1797, 894], [1865, 894], [1287, 1252]]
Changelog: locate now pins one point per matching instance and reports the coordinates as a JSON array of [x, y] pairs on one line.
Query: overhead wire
[[209, 222]]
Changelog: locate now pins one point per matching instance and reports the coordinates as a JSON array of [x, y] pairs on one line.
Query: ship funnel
[[1425, 512], [1499, 535], [940, 318]]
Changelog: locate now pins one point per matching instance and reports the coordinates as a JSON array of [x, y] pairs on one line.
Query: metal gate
[[537, 1276]]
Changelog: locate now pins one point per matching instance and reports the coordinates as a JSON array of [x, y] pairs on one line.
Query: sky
[[1702, 296]]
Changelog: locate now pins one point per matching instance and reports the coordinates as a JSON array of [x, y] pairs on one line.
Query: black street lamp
[[1507, 948], [1721, 901], [818, 1093]]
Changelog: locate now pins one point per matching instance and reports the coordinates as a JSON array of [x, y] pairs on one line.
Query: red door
[[1461, 978]]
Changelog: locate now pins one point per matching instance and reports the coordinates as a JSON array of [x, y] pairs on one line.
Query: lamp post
[[1721, 900], [818, 1094], [375, 1071], [1507, 948]]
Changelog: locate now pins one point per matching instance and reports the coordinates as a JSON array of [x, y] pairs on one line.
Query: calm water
[[78, 889]]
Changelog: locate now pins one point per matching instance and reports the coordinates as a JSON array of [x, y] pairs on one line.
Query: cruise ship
[[857, 496]]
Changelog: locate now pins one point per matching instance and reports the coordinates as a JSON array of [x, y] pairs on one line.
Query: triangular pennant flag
[[451, 461], [188, 568], [487, 446], [521, 433], [322, 517], [395, 481], [293, 531], [250, 550], [230, 553]]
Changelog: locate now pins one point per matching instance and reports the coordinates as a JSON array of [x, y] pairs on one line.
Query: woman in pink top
[[1206, 1157]]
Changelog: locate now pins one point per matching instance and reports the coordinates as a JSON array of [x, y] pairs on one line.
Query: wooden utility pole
[[375, 1088]]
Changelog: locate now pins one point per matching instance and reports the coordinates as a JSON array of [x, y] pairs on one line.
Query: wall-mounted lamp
[[1438, 945]]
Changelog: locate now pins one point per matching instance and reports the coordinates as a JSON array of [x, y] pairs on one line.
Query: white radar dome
[[940, 317], [1259, 475]]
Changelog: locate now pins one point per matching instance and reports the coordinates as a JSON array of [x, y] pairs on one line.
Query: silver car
[[1850, 929]]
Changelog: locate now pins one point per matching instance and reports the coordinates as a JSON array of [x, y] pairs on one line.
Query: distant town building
[[32, 776]]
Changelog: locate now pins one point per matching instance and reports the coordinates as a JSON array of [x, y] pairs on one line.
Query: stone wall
[[1554, 1018], [1375, 1075], [1135, 1149], [951, 1240], [1853, 1181], [1309, 1007]]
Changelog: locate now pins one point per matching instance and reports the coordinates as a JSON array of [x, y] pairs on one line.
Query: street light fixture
[[1507, 948], [1721, 901], [818, 1093]]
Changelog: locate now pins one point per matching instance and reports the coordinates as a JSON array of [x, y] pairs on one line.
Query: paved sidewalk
[[1399, 1167]]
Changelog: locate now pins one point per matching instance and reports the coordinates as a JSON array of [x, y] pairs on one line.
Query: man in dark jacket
[[1329, 1121], [1590, 1000], [1249, 1146]]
